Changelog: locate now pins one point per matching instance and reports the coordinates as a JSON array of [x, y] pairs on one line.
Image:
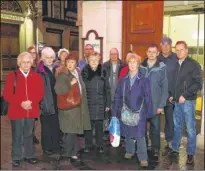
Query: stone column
[[200, 136], [79, 24], [114, 27]]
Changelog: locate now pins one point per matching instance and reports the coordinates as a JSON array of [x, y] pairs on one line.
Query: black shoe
[[190, 159], [173, 153], [31, 161], [16, 163], [100, 149], [48, 152], [35, 140], [86, 149]]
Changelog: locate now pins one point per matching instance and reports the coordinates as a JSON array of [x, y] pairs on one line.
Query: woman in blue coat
[[134, 91]]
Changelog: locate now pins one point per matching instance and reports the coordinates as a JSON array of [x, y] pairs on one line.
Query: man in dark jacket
[[187, 81], [157, 74], [169, 58]]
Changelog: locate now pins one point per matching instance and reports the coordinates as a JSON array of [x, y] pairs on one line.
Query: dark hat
[[166, 39], [71, 56]]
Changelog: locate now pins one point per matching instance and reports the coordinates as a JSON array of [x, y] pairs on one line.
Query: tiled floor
[[112, 159]]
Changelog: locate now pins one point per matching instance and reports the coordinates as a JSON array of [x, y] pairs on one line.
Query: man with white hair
[[23, 107]]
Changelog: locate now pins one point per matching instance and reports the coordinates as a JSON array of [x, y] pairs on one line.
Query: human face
[[71, 65], [152, 53], [33, 53], [113, 55], [93, 61], [181, 51], [26, 63], [48, 60], [166, 48], [133, 65], [63, 56], [88, 50]]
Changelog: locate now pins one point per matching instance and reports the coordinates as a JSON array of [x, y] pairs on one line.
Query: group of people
[[163, 82]]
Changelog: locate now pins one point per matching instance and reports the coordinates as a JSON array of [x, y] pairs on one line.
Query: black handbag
[[4, 103]]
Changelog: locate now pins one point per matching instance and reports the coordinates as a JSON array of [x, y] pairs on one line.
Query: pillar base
[[200, 141]]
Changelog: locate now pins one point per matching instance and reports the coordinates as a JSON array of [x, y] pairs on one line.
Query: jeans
[[154, 132], [185, 113], [22, 136], [138, 146], [169, 123]]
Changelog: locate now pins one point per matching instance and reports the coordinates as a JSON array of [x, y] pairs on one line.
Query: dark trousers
[[50, 133], [35, 125], [169, 123], [69, 144], [154, 132], [98, 126], [22, 136]]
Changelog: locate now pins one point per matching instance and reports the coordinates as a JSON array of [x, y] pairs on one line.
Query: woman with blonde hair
[[50, 131], [98, 95], [133, 105], [72, 121]]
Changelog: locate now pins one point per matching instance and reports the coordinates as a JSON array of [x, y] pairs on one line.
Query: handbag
[[4, 103], [71, 99], [129, 117]]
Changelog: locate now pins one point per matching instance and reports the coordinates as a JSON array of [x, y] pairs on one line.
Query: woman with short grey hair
[[50, 131]]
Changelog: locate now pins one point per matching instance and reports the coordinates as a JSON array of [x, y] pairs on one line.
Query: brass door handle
[[131, 47]]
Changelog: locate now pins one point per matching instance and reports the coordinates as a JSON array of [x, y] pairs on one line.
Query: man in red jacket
[[23, 107]]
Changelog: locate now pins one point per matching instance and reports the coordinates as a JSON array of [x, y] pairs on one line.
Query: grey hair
[[48, 51]]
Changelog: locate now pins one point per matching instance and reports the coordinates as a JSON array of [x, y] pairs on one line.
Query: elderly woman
[[50, 130], [72, 121], [134, 91], [98, 95], [62, 53], [32, 50], [23, 107]]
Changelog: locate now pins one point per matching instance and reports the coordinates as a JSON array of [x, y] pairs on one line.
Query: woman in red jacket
[[23, 107]]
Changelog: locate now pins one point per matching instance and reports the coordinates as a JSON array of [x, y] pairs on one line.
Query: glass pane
[[184, 27], [166, 26], [201, 41]]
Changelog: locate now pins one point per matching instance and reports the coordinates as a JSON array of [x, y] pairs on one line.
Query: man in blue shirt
[[169, 59]]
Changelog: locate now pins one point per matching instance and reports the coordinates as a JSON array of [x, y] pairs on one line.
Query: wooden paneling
[[142, 25]]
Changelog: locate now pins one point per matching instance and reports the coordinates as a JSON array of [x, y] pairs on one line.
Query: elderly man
[[169, 58], [23, 107], [88, 50], [187, 81], [113, 67]]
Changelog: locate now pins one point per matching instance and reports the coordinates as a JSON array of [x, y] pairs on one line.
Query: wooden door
[[142, 25], [9, 45]]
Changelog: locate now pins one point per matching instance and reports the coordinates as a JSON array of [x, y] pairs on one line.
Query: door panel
[[142, 25], [14, 45]]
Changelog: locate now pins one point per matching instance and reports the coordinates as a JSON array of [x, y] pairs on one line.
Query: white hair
[[22, 55], [48, 51], [63, 50]]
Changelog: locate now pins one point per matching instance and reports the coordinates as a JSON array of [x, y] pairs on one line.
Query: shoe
[[156, 153], [173, 153], [31, 161], [16, 163], [86, 150], [48, 152], [143, 163], [75, 160], [128, 156], [167, 150], [35, 140], [100, 149], [190, 159]]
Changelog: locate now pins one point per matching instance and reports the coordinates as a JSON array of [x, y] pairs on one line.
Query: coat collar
[[145, 64]]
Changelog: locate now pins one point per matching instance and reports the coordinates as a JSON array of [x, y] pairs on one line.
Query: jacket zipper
[[176, 82], [27, 96]]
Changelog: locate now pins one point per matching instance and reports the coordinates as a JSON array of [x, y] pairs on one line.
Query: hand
[[73, 81], [171, 99], [107, 109], [26, 105], [181, 99], [160, 110]]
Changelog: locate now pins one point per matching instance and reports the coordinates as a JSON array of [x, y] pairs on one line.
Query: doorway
[[9, 46]]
